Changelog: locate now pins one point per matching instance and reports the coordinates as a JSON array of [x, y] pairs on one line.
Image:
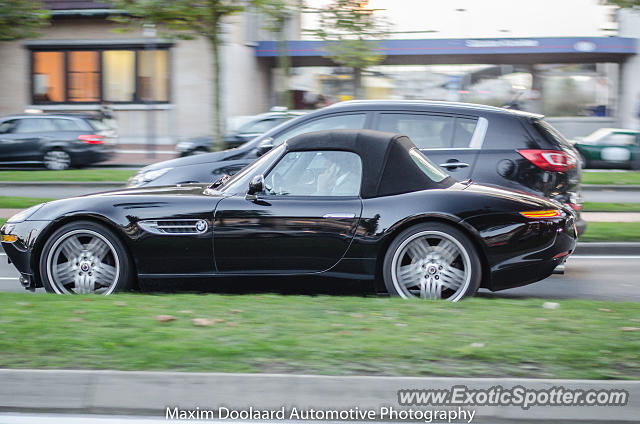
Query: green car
[[609, 148]]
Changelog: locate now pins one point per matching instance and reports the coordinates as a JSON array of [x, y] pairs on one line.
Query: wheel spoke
[[452, 277], [98, 248], [448, 251], [104, 274], [409, 275], [72, 248], [65, 273], [434, 288], [418, 249]]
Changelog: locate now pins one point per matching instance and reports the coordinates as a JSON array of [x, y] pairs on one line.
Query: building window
[[48, 77], [132, 75]]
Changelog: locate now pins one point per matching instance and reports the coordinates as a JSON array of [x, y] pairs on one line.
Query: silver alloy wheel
[[431, 265], [57, 159], [83, 261]]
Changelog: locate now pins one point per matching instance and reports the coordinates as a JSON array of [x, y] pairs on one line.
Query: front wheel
[[85, 258], [432, 261]]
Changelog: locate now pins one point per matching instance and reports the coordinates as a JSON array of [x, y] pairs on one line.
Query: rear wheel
[[85, 258], [432, 261], [57, 160]]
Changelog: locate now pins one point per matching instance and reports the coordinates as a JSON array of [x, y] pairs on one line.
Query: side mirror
[[256, 185], [264, 147]]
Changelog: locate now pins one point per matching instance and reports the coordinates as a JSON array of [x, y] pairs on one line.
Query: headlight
[[25, 214], [143, 177]]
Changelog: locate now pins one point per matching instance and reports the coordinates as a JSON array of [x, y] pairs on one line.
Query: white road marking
[[8, 278]]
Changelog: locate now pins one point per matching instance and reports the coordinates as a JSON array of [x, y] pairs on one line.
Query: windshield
[[239, 183], [597, 135]]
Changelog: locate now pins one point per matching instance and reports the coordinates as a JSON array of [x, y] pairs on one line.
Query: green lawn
[[78, 175], [611, 231], [2, 221], [13, 202], [322, 335], [631, 177], [610, 207]]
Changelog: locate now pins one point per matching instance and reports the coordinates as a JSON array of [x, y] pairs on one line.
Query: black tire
[[467, 261], [85, 232], [56, 160]]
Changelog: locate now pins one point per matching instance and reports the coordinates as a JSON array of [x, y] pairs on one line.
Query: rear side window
[[336, 122], [34, 125], [7, 127], [69, 125], [550, 134], [430, 131]]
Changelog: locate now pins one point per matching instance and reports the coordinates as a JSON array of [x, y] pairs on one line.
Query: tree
[[277, 13], [625, 3], [188, 19], [21, 18], [350, 30]]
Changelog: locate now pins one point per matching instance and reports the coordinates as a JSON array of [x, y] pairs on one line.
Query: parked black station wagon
[[57, 141], [489, 145]]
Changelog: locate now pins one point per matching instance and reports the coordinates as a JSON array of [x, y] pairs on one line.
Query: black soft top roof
[[387, 167]]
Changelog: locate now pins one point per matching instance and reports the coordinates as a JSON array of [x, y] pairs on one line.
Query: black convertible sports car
[[355, 204]]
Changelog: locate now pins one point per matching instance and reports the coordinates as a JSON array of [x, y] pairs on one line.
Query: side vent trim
[[174, 227]]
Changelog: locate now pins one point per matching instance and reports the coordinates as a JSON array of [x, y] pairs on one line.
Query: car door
[[24, 142], [7, 147], [450, 141], [303, 221], [616, 148]]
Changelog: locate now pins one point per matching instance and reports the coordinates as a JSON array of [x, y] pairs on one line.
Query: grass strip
[[74, 175], [610, 207], [611, 231], [14, 202], [623, 178], [322, 335]]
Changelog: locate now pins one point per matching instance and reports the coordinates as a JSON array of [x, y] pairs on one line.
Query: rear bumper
[[91, 154]]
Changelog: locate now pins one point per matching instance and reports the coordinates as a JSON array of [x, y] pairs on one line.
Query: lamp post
[[149, 33]]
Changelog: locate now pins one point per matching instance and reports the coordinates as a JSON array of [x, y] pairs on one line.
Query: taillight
[[550, 160], [575, 207], [91, 139], [550, 213]]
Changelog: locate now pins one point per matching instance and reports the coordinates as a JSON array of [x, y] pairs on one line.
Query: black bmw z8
[[349, 204]]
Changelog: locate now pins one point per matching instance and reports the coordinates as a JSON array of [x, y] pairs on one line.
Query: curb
[[617, 187], [150, 393], [608, 248]]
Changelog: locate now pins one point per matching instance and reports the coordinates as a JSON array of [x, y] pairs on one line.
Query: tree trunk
[[218, 124], [284, 65], [357, 83]]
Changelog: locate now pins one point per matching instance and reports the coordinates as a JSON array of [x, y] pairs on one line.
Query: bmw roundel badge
[[201, 226]]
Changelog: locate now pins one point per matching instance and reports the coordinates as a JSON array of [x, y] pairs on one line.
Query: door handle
[[454, 165], [339, 215]]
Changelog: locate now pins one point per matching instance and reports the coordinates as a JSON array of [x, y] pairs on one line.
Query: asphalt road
[[586, 277]]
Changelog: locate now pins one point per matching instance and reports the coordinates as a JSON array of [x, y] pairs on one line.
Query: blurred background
[[574, 61]]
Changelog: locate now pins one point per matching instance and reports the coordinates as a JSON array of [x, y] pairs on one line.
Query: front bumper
[[21, 252]]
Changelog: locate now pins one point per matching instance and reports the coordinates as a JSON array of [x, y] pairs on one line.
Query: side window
[[463, 132], [426, 131], [34, 125], [7, 127], [619, 139], [316, 173], [335, 122], [68, 125]]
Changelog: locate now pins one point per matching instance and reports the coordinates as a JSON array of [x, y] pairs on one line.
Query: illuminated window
[[118, 75], [84, 78], [48, 77], [104, 75], [153, 75]]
